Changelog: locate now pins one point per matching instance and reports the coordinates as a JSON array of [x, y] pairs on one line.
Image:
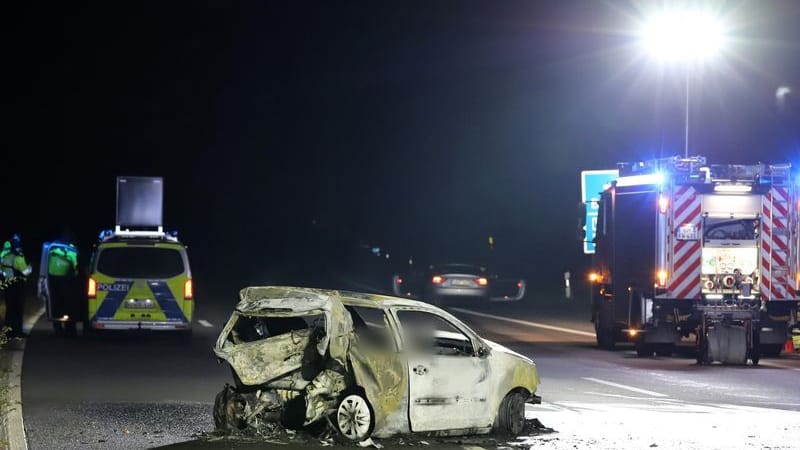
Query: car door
[[448, 380]]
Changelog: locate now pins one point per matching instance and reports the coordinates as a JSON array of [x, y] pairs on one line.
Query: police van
[[139, 280], [139, 275]]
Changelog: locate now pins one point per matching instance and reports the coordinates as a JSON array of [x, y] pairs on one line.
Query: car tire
[[511, 414], [229, 411], [354, 417], [58, 328]]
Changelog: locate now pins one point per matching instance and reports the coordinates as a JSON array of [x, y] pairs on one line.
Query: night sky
[[296, 131]]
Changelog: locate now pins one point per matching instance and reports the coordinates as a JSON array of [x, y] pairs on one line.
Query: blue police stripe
[[166, 301], [112, 301]]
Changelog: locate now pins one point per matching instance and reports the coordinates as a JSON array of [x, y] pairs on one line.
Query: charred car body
[[376, 365]]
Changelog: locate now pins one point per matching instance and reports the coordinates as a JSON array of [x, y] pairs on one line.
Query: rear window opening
[[140, 262], [256, 328]]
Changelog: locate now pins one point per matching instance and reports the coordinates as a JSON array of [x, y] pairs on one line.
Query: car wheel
[[229, 411], [354, 417], [58, 328], [511, 415]]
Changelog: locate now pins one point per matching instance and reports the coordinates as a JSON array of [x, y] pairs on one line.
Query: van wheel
[[354, 417], [70, 328], [511, 414], [185, 336], [87, 329]]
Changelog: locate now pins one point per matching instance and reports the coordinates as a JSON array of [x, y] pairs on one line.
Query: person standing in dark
[[15, 272], [64, 287]]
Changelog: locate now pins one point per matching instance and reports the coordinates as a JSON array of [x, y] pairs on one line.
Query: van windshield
[[140, 262]]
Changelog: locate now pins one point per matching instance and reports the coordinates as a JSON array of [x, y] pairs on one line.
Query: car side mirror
[[483, 351]]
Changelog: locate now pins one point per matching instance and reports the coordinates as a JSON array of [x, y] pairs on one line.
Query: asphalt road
[[149, 390]]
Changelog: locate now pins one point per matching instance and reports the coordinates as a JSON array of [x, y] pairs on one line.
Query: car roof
[[451, 266], [254, 294]]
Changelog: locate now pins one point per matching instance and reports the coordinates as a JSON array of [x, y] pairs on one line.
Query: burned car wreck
[[373, 365]]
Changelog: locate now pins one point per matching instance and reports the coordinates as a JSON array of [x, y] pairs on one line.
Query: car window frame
[[475, 341], [391, 324]]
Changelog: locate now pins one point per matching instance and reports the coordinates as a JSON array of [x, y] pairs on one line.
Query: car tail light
[[188, 290], [437, 279], [482, 281], [91, 288]]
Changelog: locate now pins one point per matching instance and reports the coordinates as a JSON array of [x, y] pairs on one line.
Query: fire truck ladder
[[779, 209]]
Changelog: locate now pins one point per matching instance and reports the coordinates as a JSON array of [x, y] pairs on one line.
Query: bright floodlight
[[683, 36]]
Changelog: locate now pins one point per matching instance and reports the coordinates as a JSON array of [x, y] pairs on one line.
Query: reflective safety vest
[[14, 267], [62, 262]]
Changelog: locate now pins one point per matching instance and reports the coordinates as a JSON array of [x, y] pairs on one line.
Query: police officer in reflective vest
[[15, 272], [62, 271]]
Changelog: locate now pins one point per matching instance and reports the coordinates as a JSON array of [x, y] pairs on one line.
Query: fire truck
[[687, 249]]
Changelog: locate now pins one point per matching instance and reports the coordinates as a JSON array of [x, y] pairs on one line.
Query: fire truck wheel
[[702, 353], [644, 350], [771, 350], [605, 336], [664, 350]]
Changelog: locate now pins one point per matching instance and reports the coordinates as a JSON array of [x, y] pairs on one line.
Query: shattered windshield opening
[[255, 328]]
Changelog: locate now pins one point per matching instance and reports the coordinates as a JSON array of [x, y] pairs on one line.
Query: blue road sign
[[593, 182]]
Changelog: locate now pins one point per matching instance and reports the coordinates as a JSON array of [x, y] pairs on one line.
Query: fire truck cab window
[[740, 230]]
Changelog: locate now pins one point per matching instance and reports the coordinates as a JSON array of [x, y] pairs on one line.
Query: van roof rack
[[157, 234]]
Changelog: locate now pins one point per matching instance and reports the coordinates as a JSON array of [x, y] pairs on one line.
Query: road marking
[[15, 426], [625, 397], [205, 323], [525, 322], [622, 386]]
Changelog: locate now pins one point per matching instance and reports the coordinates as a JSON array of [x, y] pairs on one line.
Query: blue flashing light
[[173, 233], [105, 234], [639, 180]]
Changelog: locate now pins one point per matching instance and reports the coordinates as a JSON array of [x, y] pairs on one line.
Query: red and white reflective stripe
[[684, 279], [775, 234]]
